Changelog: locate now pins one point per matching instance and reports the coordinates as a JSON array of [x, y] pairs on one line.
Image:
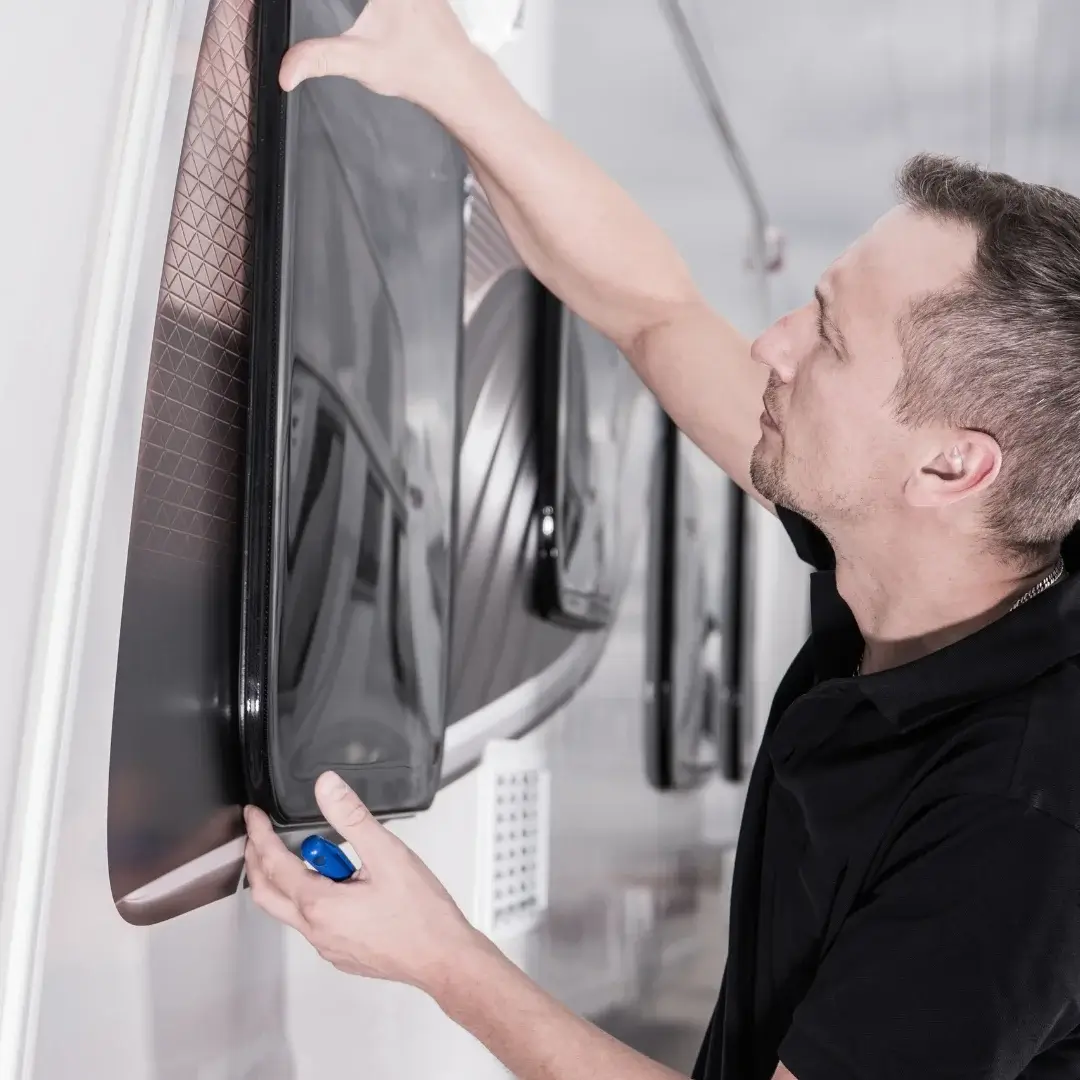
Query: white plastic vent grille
[[514, 837]]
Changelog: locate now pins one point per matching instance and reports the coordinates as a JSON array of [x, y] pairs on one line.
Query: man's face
[[830, 445]]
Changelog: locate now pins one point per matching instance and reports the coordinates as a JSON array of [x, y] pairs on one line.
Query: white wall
[[60, 85], [78, 148]]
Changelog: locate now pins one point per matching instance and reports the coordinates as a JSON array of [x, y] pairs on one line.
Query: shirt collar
[[1000, 657]]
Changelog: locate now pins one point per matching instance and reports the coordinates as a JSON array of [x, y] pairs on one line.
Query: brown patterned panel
[[174, 776], [187, 496]]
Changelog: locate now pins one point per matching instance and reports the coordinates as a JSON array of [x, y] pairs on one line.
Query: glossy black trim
[[731, 716], [553, 599], [660, 628], [257, 578]]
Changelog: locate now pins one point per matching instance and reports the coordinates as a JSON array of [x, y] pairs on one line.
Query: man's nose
[[778, 347]]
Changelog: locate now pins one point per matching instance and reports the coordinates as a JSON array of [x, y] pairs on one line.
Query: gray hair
[[1001, 353]]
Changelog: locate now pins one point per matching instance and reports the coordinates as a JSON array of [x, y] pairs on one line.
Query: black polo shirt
[[906, 894]]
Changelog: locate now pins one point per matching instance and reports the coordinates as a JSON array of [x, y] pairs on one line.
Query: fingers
[[350, 817], [274, 903], [279, 865], [317, 57]]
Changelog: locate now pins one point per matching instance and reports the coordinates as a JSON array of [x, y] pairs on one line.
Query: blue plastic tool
[[327, 858]]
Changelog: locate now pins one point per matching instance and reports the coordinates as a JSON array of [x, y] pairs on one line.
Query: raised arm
[[573, 226], [582, 235]]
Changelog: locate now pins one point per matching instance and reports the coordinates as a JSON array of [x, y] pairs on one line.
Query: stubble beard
[[768, 476]]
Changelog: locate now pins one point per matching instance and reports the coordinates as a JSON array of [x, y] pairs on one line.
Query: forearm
[[576, 229], [531, 1033]]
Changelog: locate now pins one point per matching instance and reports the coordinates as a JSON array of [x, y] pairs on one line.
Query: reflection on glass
[[337, 694], [369, 558], [577, 475], [597, 390], [371, 312], [691, 620], [682, 747], [695, 748]]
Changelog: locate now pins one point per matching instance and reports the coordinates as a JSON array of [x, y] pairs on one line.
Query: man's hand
[[401, 48], [393, 920]]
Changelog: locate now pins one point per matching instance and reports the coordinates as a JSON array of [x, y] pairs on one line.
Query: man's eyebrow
[[829, 321]]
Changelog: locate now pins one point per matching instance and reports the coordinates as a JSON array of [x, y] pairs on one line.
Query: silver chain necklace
[[1057, 572]]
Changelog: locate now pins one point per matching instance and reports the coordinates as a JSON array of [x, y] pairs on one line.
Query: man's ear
[[966, 464]]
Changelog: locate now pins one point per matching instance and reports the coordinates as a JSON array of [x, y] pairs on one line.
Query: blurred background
[[826, 100]]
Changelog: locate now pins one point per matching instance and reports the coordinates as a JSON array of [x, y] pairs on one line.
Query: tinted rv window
[[354, 404], [586, 393], [684, 605]]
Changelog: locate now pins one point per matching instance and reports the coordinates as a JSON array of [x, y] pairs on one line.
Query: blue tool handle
[[327, 858]]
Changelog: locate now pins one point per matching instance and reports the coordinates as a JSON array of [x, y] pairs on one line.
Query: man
[[906, 899]]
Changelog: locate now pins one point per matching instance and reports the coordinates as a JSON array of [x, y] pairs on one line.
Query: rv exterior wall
[[222, 993]]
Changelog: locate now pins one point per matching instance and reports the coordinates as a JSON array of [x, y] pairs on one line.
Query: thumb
[[349, 816], [316, 57]]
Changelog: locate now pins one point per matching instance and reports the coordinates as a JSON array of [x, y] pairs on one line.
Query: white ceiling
[[828, 97]]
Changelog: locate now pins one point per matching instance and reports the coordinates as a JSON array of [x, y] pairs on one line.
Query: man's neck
[[911, 601]]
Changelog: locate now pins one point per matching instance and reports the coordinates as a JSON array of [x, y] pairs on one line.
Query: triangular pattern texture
[[191, 458]]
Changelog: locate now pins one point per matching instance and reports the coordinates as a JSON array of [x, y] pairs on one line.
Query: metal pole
[[705, 85]]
